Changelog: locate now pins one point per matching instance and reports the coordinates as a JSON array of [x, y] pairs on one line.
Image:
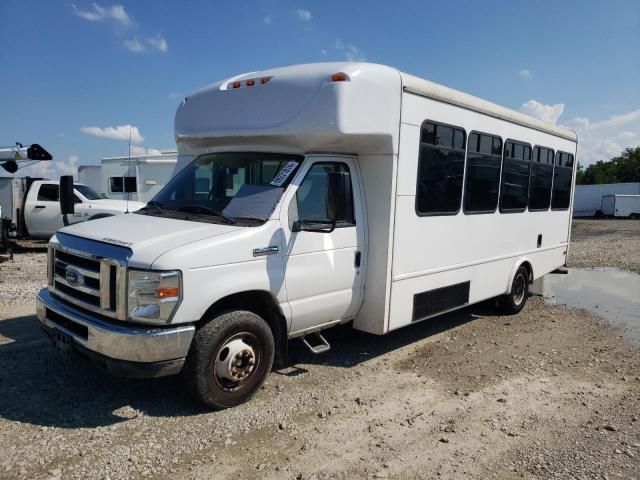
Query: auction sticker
[[284, 174]]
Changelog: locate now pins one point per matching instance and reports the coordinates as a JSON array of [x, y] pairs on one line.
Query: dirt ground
[[549, 393]]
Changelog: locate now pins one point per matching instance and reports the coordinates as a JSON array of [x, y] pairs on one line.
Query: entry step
[[316, 343]]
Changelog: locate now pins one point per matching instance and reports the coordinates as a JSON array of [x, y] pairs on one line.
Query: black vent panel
[[432, 302]]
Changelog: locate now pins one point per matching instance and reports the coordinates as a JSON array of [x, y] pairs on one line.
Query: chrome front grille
[[89, 281]]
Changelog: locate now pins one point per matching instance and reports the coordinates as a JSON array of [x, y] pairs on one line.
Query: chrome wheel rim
[[519, 289], [236, 361]]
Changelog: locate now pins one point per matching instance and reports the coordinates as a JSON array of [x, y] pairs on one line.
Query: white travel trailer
[[138, 178], [91, 176], [306, 197], [621, 206]]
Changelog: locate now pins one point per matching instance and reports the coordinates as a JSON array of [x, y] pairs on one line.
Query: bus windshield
[[226, 188]]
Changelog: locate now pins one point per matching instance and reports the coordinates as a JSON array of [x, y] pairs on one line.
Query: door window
[[311, 197], [49, 193]]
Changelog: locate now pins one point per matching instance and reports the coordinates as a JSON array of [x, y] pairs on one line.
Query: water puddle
[[611, 293]]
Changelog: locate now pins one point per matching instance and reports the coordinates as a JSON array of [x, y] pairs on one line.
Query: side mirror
[[336, 196], [66, 195]]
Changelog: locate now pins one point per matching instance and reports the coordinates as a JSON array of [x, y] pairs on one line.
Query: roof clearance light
[[250, 83], [340, 77], [264, 80], [236, 84]]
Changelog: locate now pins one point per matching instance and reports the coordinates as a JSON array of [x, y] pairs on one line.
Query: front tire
[[230, 357], [514, 301]]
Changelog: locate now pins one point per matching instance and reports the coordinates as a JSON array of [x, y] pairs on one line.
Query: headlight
[[153, 296]]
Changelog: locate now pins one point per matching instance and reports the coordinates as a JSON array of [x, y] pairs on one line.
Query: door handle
[[358, 258], [40, 206]]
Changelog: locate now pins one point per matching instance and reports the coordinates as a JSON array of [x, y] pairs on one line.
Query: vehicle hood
[[116, 205], [147, 236]]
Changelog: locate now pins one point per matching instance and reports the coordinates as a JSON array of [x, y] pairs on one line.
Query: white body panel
[[622, 206], [91, 175], [372, 123], [152, 172]]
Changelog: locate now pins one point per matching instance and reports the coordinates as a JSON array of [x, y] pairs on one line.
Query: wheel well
[[263, 304], [529, 268]]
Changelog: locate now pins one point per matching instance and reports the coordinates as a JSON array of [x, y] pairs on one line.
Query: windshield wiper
[[202, 210], [153, 205]]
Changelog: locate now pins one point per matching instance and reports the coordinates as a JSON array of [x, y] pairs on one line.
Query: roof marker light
[[340, 77], [236, 84], [250, 83], [264, 80]]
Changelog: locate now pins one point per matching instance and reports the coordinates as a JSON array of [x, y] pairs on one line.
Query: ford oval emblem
[[73, 276]]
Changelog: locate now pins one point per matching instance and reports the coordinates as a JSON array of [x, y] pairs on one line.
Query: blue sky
[[73, 72]]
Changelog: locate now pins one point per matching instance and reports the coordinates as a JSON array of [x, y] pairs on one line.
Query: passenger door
[[42, 216], [323, 270]]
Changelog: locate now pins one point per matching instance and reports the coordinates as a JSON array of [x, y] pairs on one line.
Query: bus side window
[[514, 188], [541, 179], [562, 177], [484, 156], [440, 169]]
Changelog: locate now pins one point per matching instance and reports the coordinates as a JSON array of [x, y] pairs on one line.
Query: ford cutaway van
[[305, 197]]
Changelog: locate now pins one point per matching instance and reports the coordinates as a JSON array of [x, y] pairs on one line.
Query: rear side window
[[122, 184], [514, 189], [116, 184], [440, 169], [562, 176], [541, 179], [49, 193], [484, 155]]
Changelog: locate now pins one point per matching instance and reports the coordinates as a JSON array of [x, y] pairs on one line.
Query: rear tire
[[514, 301], [229, 359]]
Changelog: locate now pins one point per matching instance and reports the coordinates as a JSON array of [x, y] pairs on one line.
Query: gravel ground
[[605, 243], [549, 393]]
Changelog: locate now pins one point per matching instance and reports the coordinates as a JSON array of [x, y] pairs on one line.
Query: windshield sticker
[[284, 174]]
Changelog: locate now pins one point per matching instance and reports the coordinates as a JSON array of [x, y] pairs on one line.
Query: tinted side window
[[440, 169], [484, 154], [311, 196], [541, 179], [49, 193], [130, 184], [514, 189], [563, 173], [116, 184]]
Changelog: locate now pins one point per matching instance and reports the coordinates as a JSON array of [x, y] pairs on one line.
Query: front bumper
[[124, 350]]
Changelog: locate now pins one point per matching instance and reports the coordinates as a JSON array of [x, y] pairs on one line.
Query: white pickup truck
[[34, 207]]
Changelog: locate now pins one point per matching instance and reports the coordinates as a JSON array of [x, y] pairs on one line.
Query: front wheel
[[229, 359], [514, 301]]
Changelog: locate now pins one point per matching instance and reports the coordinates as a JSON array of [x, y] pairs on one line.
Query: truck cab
[[42, 213]]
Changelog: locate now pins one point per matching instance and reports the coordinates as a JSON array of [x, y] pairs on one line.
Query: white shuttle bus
[[306, 197]]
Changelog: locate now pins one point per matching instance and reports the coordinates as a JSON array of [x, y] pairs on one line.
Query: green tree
[[620, 169]]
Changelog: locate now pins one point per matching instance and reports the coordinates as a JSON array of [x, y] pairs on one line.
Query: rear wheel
[[229, 359], [514, 301]]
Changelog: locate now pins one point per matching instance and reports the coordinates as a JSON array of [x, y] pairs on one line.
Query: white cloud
[[137, 150], [268, 19], [351, 52], [525, 73], [304, 15], [120, 132], [52, 169], [134, 45], [114, 13], [548, 113], [324, 51], [605, 139], [158, 42]]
